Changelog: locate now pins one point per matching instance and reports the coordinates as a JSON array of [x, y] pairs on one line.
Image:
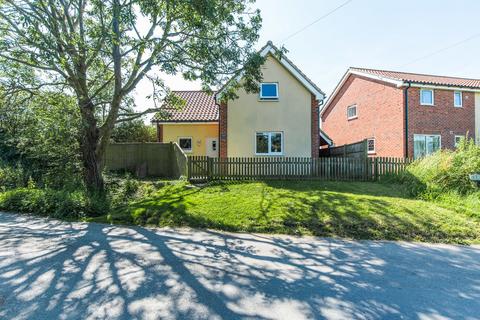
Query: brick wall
[[222, 128], [315, 127], [442, 118], [380, 115]]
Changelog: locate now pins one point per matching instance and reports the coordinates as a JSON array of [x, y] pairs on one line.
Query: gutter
[[406, 117]]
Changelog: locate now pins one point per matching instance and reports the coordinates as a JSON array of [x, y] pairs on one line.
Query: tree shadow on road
[[51, 270]]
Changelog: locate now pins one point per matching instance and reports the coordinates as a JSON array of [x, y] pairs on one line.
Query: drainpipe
[[406, 117]]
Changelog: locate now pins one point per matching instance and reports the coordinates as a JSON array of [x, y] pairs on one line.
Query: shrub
[[59, 204], [444, 171], [12, 177]]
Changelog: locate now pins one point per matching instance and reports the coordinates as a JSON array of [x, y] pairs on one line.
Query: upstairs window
[[457, 99], [426, 97], [269, 91], [352, 112]]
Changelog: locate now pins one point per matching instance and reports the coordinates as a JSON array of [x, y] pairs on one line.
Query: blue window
[[269, 91]]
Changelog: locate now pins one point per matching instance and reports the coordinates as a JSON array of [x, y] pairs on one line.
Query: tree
[[100, 50], [134, 131]]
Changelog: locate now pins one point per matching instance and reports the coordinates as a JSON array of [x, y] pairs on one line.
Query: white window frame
[[455, 139], [374, 146], [191, 144], [427, 135], [433, 97], [262, 98], [461, 99], [356, 112], [269, 153]]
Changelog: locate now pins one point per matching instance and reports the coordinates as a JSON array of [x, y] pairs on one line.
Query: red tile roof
[[199, 107], [423, 78]]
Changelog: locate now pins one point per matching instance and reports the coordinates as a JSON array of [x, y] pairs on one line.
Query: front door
[[212, 147]]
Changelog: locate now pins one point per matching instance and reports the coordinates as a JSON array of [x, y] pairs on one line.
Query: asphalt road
[[57, 270]]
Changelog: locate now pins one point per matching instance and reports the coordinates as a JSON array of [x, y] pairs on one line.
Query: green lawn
[[334, 209]]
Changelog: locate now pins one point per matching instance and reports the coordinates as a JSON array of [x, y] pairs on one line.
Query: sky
[[421, 36]]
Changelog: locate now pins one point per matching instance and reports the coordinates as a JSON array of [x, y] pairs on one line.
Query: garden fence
[[291, 168]]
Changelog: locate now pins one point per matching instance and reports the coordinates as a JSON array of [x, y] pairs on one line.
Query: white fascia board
[[189, 122], [269, 49], [397, 83], [432, 86], [329, 141]]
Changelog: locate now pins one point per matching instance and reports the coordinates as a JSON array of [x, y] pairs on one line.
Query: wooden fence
[[165, 160], [263, 168], [352, 150]]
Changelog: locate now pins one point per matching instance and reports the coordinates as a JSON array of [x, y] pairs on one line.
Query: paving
[[58, 270]]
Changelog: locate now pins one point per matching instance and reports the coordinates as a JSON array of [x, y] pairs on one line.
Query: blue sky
[[382, 34]]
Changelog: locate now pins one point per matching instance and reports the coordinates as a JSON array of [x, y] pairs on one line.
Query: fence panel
[[262, 168]]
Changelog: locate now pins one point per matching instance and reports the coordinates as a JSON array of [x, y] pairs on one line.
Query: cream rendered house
[[281, 120]]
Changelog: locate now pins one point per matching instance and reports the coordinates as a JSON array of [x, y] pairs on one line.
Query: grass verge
[[336, 209]]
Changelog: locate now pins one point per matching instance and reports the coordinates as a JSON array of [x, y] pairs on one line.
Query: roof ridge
[[417, 73]]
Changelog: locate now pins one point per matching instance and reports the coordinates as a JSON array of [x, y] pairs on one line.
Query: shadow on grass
[[333, 209]]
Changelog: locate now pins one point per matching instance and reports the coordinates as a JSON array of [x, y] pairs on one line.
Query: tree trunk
[[89, 140]]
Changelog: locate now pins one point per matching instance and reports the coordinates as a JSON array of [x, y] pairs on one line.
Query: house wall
[[291, 114], [380, 114], [443, 118], [198, 132], [477, 117]]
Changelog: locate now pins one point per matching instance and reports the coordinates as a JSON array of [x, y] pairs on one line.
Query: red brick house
[[402, 114]]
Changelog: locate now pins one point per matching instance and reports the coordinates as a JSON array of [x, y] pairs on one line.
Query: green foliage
[[134, 131], [11, 177], [39, 141], [444, 171], [54, 203]]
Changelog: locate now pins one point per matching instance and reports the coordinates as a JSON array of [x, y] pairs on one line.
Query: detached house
[[402, 114], [281, 120]]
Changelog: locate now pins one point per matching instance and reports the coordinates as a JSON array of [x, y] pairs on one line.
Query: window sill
[[428, 105], [371, 153], [269, 154], [352, 118], [268, 100], [458, 107]]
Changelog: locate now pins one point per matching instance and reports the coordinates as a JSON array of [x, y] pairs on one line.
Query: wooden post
[[375, 169], [209, 168]]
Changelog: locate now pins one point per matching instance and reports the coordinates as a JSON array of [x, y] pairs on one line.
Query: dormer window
[[269, 91]]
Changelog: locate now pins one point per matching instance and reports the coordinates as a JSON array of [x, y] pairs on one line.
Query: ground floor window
[[425, 145], [269, 143], [371, 145], [458, 139], [185, 143]]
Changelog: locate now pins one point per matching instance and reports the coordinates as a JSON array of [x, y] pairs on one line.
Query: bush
[[444, 171], [59, 204], [12, 177]]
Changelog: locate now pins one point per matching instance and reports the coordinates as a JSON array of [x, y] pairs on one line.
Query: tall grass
[[444, 172]]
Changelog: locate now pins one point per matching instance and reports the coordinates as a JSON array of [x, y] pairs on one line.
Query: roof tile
[[423, 78], [199, 107]]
